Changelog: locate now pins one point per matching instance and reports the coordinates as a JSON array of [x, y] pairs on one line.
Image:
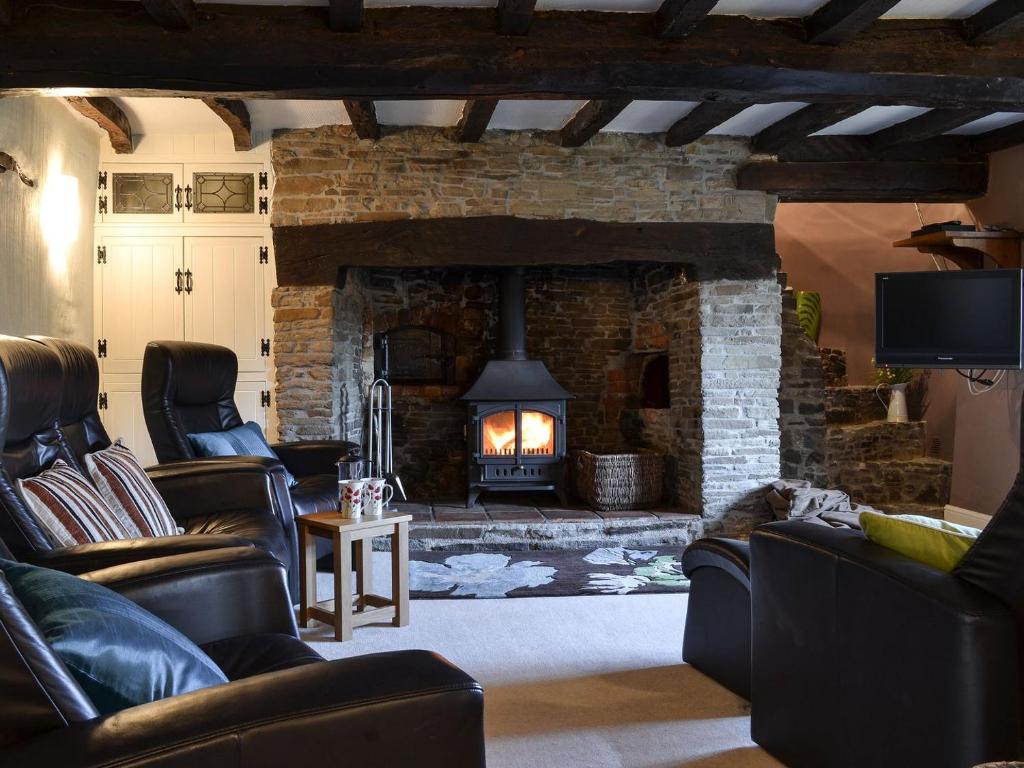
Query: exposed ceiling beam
[[244, 51], [172, 14], [476, 114], [864, 182], [345, 15], [514, 16], [678, 18], [839, 20], [995, 19], [926, 126], [1001, 138], [364, 118], [6, 14], [235, 115], [701, 119], [108, 116], [591, 118], [802, 123]]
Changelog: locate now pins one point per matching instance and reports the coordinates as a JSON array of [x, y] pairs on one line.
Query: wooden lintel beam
[[801, 124], [108, 116], [839, 20], [926, 126], [866, 182], [858, 148], [476, 114], [994, 20], [678, 18], [364, 118], [345, 15], [278, 51], [1001, 138], [701, 119], [6, 13], [591, 118], [235, 115], [514, 16], [172, 14], [309, 255]]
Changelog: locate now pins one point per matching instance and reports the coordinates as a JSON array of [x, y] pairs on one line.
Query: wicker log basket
[[612, 481]]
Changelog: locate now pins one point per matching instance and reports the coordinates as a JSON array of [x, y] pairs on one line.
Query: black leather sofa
[[284, 704], [48, 391]]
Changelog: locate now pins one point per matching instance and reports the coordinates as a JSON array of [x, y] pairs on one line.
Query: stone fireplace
[[651, 297]]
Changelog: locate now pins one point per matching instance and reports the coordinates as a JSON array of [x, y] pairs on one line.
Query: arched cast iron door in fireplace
[[516, 445]]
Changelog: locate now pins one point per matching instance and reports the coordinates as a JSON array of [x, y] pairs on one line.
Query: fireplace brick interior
[[595, 326]]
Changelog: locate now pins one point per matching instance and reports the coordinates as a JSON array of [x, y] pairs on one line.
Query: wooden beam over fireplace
[[274, 51], [312, 255]]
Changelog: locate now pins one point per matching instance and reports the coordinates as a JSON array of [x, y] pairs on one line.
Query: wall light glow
[[59, 211]]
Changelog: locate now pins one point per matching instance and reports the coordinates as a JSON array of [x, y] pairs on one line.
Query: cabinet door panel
[[140, 302], [226, 304], [143, 193], [224, 193], [124, 418], [247, 400]]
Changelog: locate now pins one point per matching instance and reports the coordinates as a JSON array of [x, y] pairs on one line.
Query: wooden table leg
[[400, 574], [364, 568], [342, 587], [307, 574]]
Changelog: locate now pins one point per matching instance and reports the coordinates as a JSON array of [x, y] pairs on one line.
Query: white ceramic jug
[[897, 404]]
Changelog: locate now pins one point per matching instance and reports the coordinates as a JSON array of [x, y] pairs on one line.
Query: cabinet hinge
[[264, 347], [265, 398], [101, 254], [264, 205], [101, 180], [101, 348], [264, 254], [263, 179], [103, 204], [103, 401]]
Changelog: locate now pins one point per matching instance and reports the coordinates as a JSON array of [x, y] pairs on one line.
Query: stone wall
[[324, 175], [595, 327]]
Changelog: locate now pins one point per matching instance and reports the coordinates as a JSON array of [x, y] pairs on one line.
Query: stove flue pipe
[[512, 315]]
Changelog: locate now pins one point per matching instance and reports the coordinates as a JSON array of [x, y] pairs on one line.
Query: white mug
[[378, 495], [351, 497]]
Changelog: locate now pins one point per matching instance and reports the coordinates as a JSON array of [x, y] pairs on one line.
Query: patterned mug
[[378, 495], [351, 497]]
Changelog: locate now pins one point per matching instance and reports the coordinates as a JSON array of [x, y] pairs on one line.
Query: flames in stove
[[538, 434]]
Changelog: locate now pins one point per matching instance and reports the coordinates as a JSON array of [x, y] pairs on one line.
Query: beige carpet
[[593, 682]]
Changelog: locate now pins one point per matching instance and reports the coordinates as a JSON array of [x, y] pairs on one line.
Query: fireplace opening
[[654, 383]]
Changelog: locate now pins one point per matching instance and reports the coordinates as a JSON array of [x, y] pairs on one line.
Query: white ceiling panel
[[768, 9], [755, 119], [149, 115], [544, 115], [989, 123], [870, 120], [935, 9], [271, 114], [649, 116], [436, 112]]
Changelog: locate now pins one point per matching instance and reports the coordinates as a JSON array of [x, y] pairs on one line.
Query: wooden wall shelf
[[970, 250]]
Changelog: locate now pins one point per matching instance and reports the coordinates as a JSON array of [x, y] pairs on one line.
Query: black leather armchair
[[48, 391], [284, 703], [189, 387]]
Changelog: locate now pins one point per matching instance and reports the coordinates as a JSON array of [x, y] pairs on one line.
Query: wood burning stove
[[516, 412]]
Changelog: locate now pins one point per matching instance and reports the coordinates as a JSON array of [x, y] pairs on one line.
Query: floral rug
[[601, 571]]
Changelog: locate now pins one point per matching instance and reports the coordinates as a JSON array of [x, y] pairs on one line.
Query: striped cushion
[[127, 489], [69, 509]]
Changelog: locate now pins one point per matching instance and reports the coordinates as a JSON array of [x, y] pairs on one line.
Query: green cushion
[[121, 654], [937, 543]]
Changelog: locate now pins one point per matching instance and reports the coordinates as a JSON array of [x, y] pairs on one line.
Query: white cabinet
[[189, 193], [209, 289]]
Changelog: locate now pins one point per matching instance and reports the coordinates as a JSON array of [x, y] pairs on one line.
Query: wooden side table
[[346, 611]]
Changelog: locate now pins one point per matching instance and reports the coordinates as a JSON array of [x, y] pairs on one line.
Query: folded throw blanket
[[790, 499]]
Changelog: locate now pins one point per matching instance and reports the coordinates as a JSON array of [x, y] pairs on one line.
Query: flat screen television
[[951, 319]]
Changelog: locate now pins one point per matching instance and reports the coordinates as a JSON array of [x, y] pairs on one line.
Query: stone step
[[875, 441], [885, 483], [855, 404]]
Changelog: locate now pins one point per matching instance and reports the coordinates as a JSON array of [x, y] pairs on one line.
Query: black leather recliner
[[188, 387], [48, 391], [284, 702]]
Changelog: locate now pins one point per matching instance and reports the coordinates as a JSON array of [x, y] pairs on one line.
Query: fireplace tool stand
[[379, 449]]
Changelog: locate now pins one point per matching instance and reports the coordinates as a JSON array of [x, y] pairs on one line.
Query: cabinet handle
[[188, 198], [177, 281], [188, 281], [177, 198]]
